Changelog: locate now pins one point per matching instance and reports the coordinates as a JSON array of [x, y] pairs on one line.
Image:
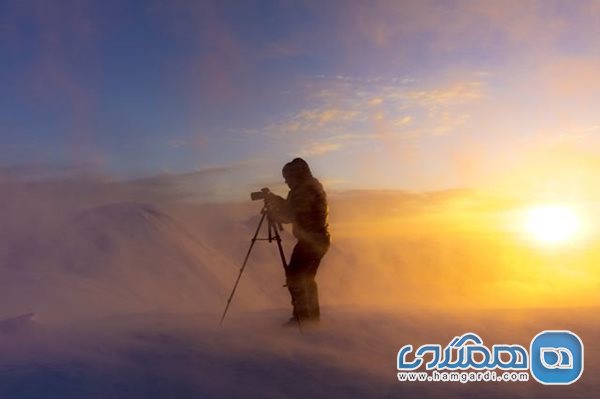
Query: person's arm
[[280, 208]]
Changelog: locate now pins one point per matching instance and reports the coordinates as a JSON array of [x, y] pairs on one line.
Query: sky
[[387, 95]]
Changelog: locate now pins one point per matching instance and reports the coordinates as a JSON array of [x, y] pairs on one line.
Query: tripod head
[[271, 220], [264, 194]]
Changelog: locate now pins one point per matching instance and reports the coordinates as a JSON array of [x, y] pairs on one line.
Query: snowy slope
[[351, 355], [126, 299], [116, 258]]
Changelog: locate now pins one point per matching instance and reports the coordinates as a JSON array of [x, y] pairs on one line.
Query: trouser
[[300, 276]]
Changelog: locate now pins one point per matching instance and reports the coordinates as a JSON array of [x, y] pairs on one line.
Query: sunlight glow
[[552, 224]]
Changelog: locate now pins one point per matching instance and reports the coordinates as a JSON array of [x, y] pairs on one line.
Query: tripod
[[273, 234]]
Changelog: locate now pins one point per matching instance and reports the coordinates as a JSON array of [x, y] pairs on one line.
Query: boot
[[314, 311], [292, 322], [300, 301]]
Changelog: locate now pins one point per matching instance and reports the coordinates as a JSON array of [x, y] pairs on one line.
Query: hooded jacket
[[305, 207]]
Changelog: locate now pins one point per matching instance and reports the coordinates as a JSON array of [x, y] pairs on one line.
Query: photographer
[[305, 207]]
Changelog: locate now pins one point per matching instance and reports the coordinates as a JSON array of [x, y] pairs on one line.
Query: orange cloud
[[577, 77], [320, 148]]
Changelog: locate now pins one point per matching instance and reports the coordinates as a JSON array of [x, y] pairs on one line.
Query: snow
[[352, 354], [107, 296], [120, 257]]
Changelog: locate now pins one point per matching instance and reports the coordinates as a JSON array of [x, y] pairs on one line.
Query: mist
[[124, 246], [116, 287]]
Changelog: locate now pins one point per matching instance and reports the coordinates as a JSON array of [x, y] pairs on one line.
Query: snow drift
[[118, 258]]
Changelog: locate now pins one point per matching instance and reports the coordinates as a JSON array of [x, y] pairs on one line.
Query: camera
[[260, 195]]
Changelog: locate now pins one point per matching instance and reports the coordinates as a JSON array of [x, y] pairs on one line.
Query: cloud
[[327, 183], [281, 48], [320, 149], [405, 120], [313, 120], [209, 183], [448, 122], [176, 143], [203, 171], [515, 27], [455, 94], [357, 137], [375, 101], [46, 170], [359, 109], [381, 205], [570, 77], [320, 117]]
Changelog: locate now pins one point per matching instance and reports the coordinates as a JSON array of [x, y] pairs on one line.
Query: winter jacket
[[305, 207]]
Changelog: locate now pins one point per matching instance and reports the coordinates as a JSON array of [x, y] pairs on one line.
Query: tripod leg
[[279, 246], [237, 281]]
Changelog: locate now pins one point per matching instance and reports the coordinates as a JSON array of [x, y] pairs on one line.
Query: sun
[[552, 224]]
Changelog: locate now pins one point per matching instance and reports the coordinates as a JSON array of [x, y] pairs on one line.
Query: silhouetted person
[[305, 207]]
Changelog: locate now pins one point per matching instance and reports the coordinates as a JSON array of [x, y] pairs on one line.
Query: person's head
[[296, 172]]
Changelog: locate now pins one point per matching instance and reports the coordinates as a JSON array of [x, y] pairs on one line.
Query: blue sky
[[415, 95]]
